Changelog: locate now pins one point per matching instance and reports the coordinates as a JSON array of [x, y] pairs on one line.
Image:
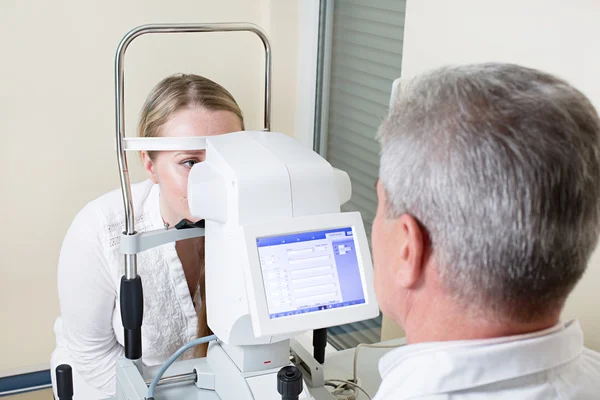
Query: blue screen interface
[[310, 271]]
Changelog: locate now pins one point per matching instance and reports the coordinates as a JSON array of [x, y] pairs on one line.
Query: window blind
[[364, 56]]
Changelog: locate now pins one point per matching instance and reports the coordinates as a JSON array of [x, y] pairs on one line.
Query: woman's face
[[170, 169]]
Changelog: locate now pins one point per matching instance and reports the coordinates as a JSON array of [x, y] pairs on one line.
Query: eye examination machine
[[281, 260]]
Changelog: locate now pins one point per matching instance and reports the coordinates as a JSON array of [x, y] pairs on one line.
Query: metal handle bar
[[130, 259]]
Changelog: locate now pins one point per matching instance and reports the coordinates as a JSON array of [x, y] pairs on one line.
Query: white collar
[[439, 367]]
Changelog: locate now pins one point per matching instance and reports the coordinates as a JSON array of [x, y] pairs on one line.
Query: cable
[[353, 382], [172, 359], [372, 346], [342, 391], [350, 384]]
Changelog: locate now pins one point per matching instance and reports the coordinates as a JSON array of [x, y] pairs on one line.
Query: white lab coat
[[551, 364]]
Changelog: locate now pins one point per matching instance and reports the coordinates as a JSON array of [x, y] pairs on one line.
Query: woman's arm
[[87, 301]]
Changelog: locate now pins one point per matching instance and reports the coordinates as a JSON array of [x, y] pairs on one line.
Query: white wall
[[57, 123], [558, 36]]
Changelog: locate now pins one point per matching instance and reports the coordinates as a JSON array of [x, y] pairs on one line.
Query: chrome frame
[[131, 259]]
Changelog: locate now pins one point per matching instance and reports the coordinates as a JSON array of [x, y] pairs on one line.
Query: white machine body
[[264, 183], [280, 259]]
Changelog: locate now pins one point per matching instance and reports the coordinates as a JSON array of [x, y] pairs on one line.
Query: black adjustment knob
[[289, 383], [64, 382]]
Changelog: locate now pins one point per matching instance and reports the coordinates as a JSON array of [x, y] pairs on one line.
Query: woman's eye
[[189, 163]]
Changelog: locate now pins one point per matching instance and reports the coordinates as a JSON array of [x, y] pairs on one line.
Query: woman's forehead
[[200, 122], [189, 153]]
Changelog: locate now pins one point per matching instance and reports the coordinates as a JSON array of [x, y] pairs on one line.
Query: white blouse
[[89, 332]]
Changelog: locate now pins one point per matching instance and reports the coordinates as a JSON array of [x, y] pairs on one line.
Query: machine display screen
[[310, 271]]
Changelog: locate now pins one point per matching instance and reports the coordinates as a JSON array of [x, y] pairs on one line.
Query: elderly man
[[489, 209]]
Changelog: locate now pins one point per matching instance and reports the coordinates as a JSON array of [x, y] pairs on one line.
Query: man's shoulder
[[578, 379], [590, 363], [590, 354], [546, 364]]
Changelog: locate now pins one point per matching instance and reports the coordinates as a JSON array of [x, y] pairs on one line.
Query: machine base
[[231, 384]]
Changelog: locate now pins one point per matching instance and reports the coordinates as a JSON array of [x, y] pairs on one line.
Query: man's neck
[[449, 322]]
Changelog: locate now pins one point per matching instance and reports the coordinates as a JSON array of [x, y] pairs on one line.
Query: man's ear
[[149, 167], [410, 255]]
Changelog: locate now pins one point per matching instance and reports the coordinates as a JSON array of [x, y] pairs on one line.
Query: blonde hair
[[181, 91], [168, 97]]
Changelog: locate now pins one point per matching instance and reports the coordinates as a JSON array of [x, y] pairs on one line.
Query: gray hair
[[500, 164]]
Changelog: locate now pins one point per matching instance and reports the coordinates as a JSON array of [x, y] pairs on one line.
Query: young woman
[[89, 332]]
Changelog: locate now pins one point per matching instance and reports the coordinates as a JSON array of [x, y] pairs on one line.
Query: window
[[360, 55]]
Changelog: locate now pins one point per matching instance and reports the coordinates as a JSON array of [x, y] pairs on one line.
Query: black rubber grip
[[132, 312], [319, 344], [133, 343], [64, 382]]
